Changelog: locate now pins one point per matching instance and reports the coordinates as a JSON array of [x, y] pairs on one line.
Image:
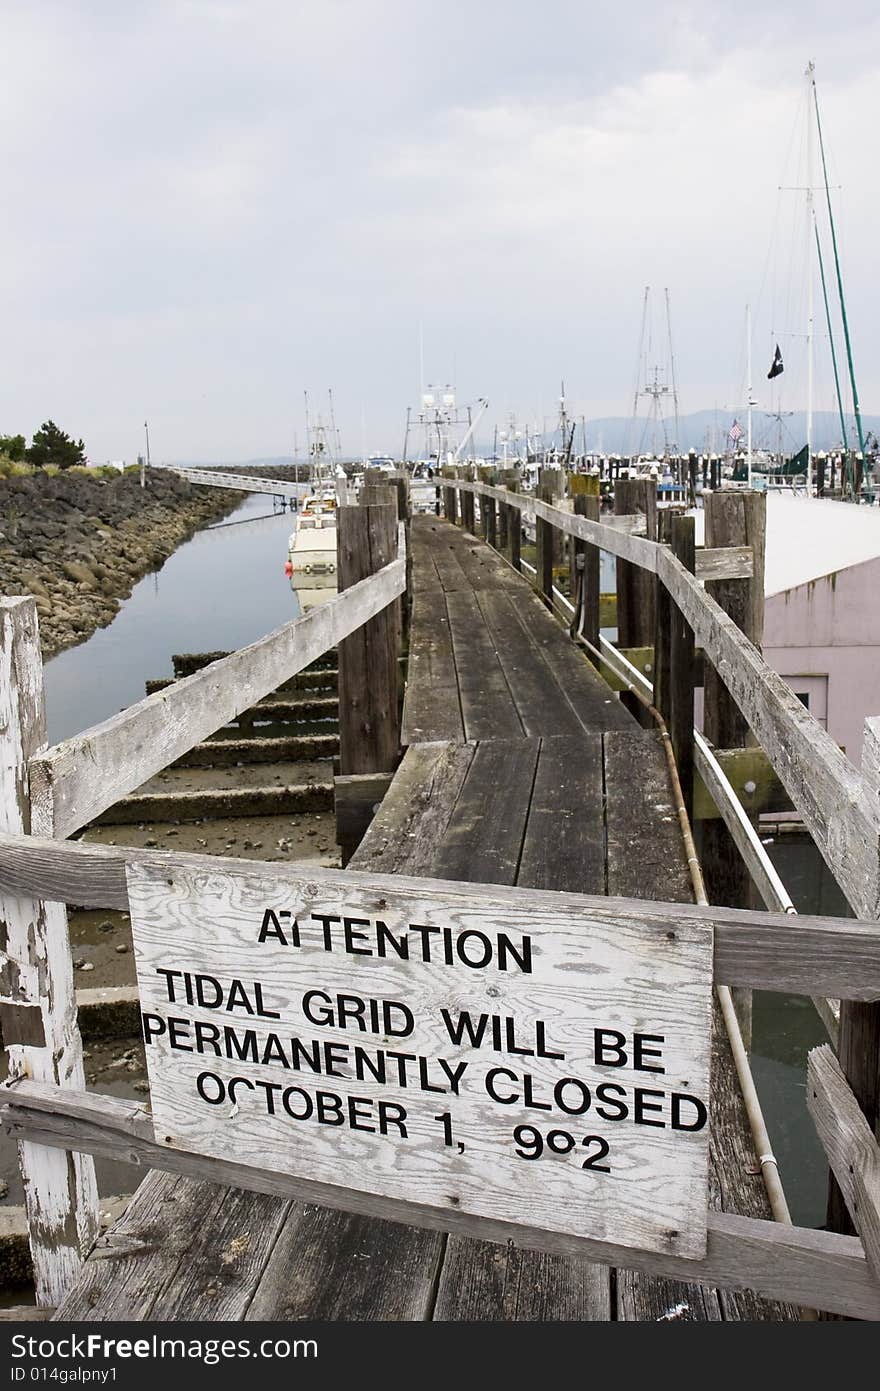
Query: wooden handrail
[[841, 810], [76, 780], [770, 951], [795, 1264]]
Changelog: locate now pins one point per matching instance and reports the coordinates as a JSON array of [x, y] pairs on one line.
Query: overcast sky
[[213, 205]]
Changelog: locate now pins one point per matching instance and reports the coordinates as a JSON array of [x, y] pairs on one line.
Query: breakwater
[[80, 541]]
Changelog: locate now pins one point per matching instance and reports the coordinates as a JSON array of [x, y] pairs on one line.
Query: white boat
[[311, 549], [311, 552]]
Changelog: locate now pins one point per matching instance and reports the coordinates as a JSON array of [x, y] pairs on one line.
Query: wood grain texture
[[331, 1265], [225, 1261], [631, 979], [564, 843], [681, 672], [81, 777], [594, 705], [36, 975], [483, 839], [805, 955], [732, 519], [541, 702], [369, 720], [432, 706], [801, 1266], [660, 869], [823, 785], [850, 1145], [132, 1262], [486, 1282], [487, 705]]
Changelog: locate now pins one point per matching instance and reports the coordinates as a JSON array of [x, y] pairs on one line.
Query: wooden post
[[585, 559], [378, 495], [37, 998], [681, 670], [635, 587], [579, 485], [661, 676], [369, 717], [503, 529], [732, 519], [487, 507], [468, 514], [553, 480], [544, 545], [514, 525], [450, 496]]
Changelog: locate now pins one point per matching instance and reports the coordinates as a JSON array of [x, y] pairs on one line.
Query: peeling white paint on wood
[[60, 1191]]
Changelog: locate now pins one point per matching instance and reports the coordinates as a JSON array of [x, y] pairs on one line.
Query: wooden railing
[[241, 482], [55, 792], [76, 780], [59, 1122], [840, 805]]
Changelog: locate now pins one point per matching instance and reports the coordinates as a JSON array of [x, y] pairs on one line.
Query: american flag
[[736, 431]]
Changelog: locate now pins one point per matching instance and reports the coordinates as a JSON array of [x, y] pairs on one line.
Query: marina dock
[[522, 770]]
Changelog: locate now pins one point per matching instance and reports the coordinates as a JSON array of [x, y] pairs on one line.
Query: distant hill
[[701, 430], [709, 430]]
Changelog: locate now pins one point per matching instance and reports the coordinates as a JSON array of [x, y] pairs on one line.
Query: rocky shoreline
[[79, 542]]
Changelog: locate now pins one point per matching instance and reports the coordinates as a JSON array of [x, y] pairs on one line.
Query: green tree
[[13, 446], [52, 446]]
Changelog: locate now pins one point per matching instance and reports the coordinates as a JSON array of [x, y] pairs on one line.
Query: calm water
[[227, 587], [224, 588], [784, 1029]]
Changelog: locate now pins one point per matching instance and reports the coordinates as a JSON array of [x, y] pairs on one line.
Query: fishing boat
[[311, 549]]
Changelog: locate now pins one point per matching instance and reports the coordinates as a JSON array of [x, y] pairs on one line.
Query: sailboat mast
[[749, 392], [672, 370], [335, 448], [849, 356], [831, 338], [810, 276], [309, 439], [406, 436]]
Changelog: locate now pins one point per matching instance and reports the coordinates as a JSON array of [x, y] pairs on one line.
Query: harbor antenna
[[442, 420]]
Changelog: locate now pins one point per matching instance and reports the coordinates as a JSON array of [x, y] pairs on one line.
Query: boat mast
[[849, 356], [309, 440], [677, 441], [749, 402], [335, 448], [830, 335], [631, 434], [406, 436], [810, 276]]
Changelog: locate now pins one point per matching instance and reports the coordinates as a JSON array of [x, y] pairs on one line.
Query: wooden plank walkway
[[561, 791], [487, 660]]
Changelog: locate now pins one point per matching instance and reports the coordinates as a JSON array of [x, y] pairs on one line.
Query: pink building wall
[[823, 637]]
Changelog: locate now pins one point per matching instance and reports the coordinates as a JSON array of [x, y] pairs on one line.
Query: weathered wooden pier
[[527, 795]]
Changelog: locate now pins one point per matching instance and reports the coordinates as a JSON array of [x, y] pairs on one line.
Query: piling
[[369, 719], [732, 519]]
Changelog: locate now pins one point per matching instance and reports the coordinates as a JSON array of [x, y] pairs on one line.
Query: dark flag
[[776, 367]]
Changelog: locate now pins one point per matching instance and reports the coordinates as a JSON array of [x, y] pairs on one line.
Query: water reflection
[[224, 588], [784, 1029]]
